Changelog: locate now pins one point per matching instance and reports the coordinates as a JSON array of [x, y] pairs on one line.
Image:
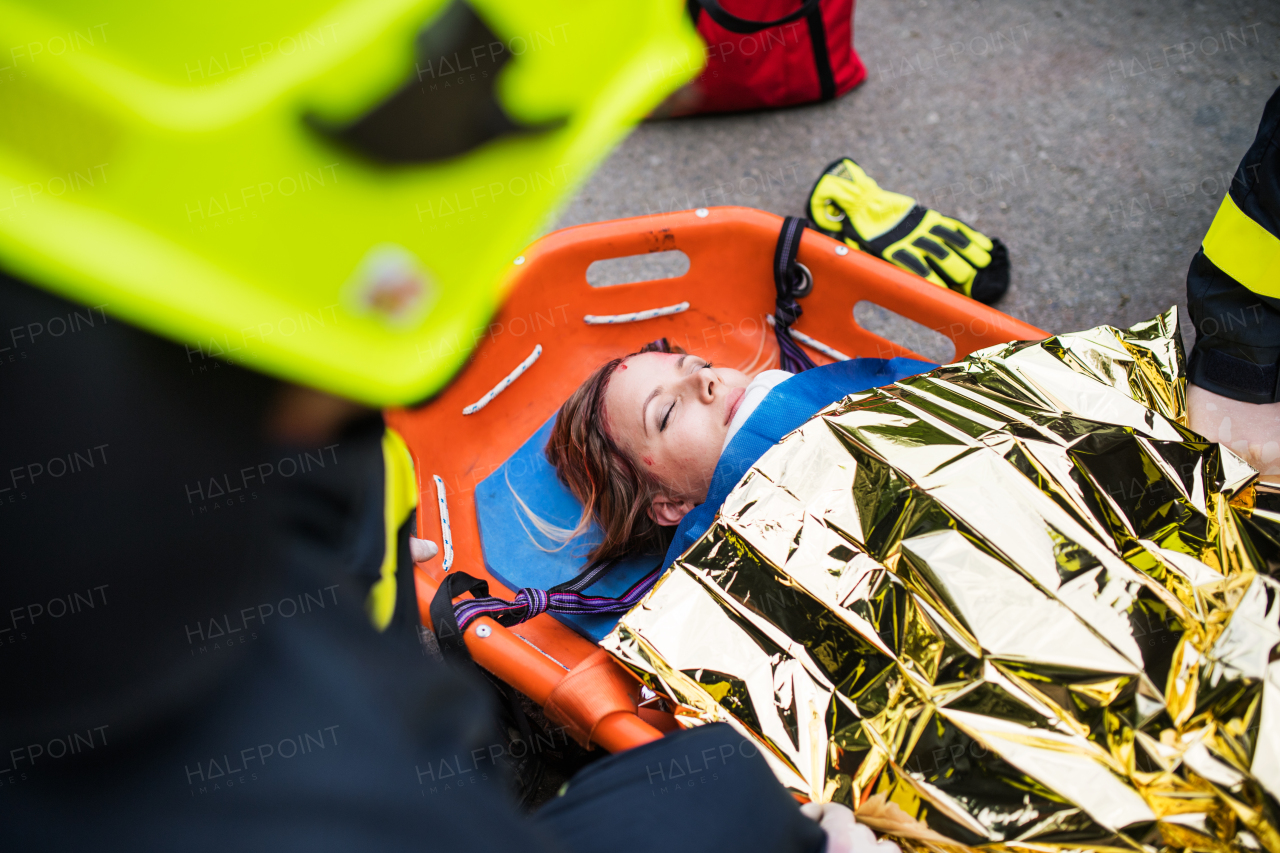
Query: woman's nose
[[707, 382]]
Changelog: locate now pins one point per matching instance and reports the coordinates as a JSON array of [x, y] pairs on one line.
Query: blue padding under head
[[507, 535]]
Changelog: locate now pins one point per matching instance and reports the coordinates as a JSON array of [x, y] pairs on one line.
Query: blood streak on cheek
[[648, 460]]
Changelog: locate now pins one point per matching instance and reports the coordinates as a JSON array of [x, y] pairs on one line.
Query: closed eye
[[666, 418]]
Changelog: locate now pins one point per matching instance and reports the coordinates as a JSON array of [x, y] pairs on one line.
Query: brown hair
[[614, 493]]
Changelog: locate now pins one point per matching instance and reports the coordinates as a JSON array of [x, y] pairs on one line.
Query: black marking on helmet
[[447, 107]]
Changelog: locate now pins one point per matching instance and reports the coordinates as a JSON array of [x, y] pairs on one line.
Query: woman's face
[[670, 414]]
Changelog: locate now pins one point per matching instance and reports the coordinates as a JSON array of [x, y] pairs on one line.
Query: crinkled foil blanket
[[1016, 595]]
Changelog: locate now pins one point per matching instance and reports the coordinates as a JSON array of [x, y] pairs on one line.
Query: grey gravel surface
[[1095, 138]]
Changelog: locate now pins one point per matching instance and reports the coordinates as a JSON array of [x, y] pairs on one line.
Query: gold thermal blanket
[[1016, 596]]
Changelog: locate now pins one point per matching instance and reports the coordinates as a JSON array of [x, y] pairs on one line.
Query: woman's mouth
[[735, 400]]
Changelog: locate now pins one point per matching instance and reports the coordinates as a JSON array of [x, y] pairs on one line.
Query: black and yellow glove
[[847, 204]]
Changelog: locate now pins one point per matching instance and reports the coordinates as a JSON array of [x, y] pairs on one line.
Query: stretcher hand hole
[[932, 344], [629, 269]]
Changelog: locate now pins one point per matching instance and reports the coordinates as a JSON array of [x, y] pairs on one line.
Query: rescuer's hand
[[844, 833], [1252, 430], [422, 549]]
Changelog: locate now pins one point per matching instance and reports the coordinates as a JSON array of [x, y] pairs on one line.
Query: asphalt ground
[[1096, 139]]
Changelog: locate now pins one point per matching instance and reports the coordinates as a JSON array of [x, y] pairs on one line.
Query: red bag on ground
[[770, 53]]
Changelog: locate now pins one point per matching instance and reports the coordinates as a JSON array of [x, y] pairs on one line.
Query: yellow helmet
[[331, 193]]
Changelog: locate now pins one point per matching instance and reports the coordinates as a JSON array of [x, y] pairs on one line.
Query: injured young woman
[[964, 592], [637, 443]]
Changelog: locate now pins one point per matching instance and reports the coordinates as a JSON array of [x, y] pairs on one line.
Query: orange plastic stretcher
[[729, 288]]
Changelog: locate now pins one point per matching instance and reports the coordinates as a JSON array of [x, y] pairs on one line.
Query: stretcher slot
[[629, 269], [932, 344]]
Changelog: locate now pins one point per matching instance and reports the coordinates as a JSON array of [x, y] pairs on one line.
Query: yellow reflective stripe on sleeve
[[1244, 250], [400, 496]]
